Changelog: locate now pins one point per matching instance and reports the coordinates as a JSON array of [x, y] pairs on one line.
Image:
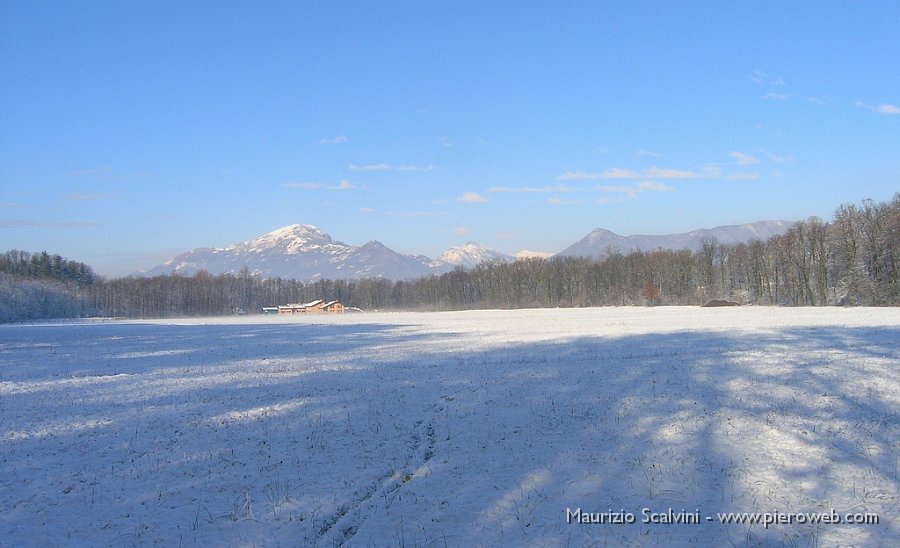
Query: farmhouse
[[319, 306], [332, 307]]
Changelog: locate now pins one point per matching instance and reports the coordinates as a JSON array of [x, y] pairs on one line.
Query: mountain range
[[305, 252], [597, 243]]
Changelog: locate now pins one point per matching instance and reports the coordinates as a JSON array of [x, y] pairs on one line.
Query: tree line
[[45, 266], [852, 260]]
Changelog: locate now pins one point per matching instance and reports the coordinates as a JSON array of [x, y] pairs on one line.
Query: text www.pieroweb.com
[[682, 516]]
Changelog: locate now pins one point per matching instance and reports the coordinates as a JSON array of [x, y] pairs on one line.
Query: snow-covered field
[[453, 429]]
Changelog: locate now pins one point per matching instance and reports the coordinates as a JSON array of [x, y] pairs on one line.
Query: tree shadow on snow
[[374, 434]]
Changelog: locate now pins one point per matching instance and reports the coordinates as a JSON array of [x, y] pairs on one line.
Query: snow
[[456, 429], [470, 255]]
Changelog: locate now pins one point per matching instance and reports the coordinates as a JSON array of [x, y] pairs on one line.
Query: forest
[[854, 259]]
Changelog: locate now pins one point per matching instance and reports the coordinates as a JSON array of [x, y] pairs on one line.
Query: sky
[[134, 131]]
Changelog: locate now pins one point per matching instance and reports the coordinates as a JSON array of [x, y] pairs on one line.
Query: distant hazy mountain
[[305, 252], [472, 254], [599, 240]]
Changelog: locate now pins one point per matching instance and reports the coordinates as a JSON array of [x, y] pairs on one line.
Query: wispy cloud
[[649, 173], [741, 177], [91, 197], [462, 231], [14, 205], [579, 176], [633, 190], [743, 159], [32, 223], [880, 109], [778, 158], [90, 171], [533, 189], [446, 142], [650, 186], [559, 201], [762, 79], [613, 173], [429, 167], [338, 140], [776, 96], [657, 173], [472, 198], [343, 185], [646, 154], [370, 167], [415, 214], [389, 167]]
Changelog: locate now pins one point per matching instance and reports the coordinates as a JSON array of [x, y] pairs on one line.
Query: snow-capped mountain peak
[[291, 239], [303, 252], [471, 254]]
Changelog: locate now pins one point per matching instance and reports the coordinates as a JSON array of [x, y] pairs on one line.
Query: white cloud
[[777, 96], [472, 198], [548, 188], [880, 109], [743, 159], [578, 176], [779, 159], [741, 177], [339, 140], [462, 231], [370, 167], [560, 201], [617, 173], [633, 190], [445, 142], [646, 154], [613, 173], [389, 167], [657, 173], [654, 187], [762, 79], [343, 185]]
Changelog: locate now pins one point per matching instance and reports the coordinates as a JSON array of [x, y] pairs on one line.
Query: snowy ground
[[452, 429]]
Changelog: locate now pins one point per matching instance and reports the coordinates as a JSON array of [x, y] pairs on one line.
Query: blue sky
[[130, 132]]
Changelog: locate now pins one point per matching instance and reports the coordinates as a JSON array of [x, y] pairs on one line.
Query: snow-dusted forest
[[455, 429], [852, 260]]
